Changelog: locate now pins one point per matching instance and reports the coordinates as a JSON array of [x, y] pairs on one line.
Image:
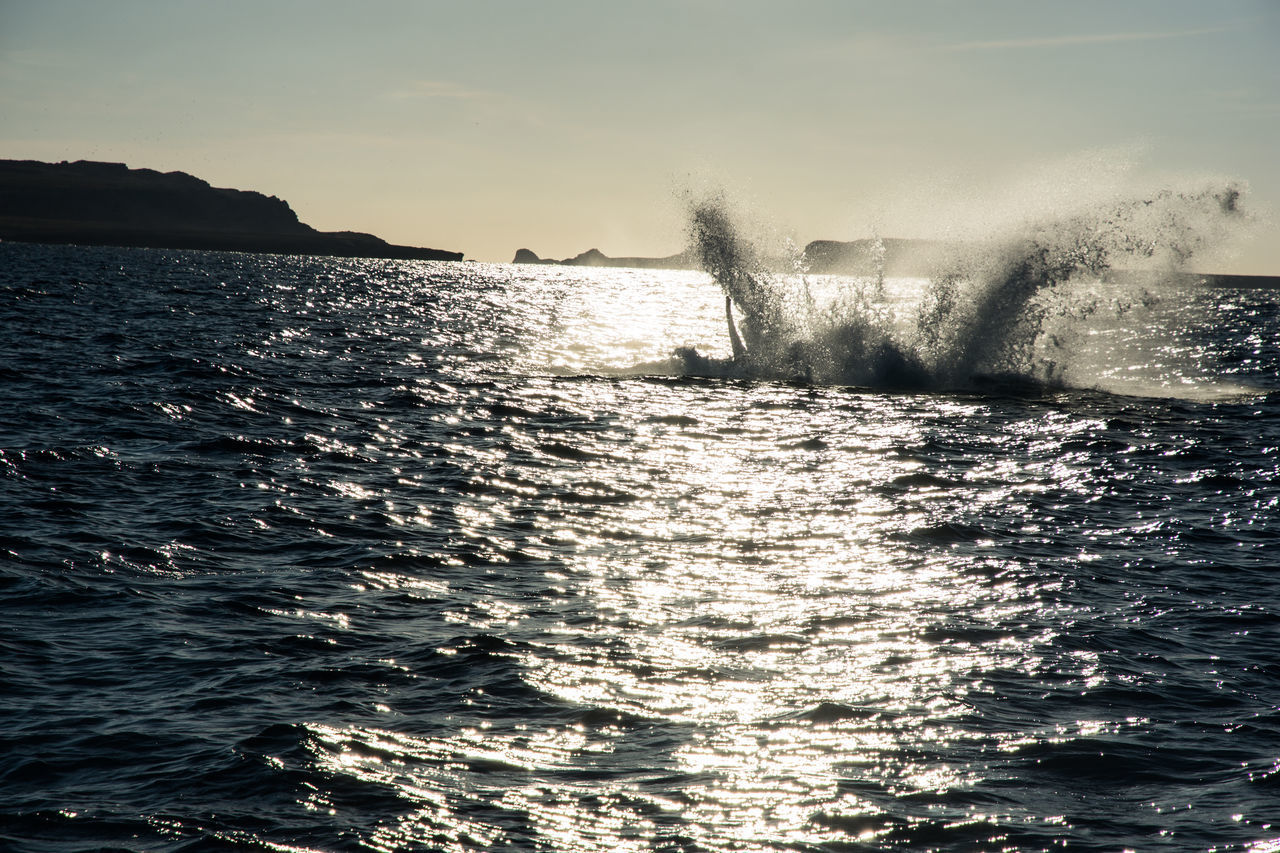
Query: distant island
[[596, 258], [898, 257], [108, 204], [856, 257], [892, 256]]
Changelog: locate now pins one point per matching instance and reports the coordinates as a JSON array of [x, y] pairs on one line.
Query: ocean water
[[340, 555]]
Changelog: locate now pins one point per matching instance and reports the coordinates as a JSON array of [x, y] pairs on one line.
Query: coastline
[[109, 204]]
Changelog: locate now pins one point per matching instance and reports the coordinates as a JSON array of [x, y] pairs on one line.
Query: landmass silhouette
[[108, 204], [596, 258], [855, 257], [889, 256]]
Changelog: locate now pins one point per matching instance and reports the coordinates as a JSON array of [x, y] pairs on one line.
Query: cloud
[[430, 89], [1085, 39]]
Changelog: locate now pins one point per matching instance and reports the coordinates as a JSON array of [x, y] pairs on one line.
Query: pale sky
[[490, 125]]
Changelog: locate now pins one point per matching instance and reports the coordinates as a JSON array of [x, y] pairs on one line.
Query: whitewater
[[303, 553]]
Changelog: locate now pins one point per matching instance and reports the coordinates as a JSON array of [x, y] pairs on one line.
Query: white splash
[[1007, 305]]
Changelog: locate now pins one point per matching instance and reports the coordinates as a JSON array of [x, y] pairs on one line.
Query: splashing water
[[1006, 306]]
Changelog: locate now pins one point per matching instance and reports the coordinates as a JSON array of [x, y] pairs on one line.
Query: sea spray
[[788, 331], [995, 306]]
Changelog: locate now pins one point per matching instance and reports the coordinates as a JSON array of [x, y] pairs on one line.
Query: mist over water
[[1011, 305]]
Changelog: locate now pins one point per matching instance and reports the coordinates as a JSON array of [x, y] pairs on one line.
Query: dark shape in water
[[982, 309]]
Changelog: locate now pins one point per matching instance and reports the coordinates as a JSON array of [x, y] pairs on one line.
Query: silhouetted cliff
[[109, 204]]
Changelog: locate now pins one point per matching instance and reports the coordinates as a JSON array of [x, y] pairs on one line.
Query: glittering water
[[360, 555]]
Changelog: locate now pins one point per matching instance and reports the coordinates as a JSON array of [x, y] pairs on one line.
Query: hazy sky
[[484, 127]]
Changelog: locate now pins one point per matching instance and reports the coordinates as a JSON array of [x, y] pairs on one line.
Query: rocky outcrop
[[109, 204], [856, 257], [596, 258]]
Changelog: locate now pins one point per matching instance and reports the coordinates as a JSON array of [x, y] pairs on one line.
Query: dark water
[[316, 554]]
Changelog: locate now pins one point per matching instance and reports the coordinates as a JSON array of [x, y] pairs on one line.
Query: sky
[[491, 125]]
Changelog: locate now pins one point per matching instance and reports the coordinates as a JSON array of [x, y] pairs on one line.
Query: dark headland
[[109, 204]]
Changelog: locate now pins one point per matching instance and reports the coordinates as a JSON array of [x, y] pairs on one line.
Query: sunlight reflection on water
[[753, 609], [336, 554], [761, 639]]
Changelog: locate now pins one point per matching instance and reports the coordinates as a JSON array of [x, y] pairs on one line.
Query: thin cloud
[[1088, 39], [428, 89]]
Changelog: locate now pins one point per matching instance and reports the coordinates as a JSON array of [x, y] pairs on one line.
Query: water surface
[[320, 554]]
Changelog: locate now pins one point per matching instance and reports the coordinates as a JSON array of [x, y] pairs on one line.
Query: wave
[[996, 307]]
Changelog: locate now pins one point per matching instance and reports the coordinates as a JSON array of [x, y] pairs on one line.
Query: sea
[[319, 554]]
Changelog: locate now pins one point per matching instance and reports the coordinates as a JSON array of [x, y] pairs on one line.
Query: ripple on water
[[327, 554]]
